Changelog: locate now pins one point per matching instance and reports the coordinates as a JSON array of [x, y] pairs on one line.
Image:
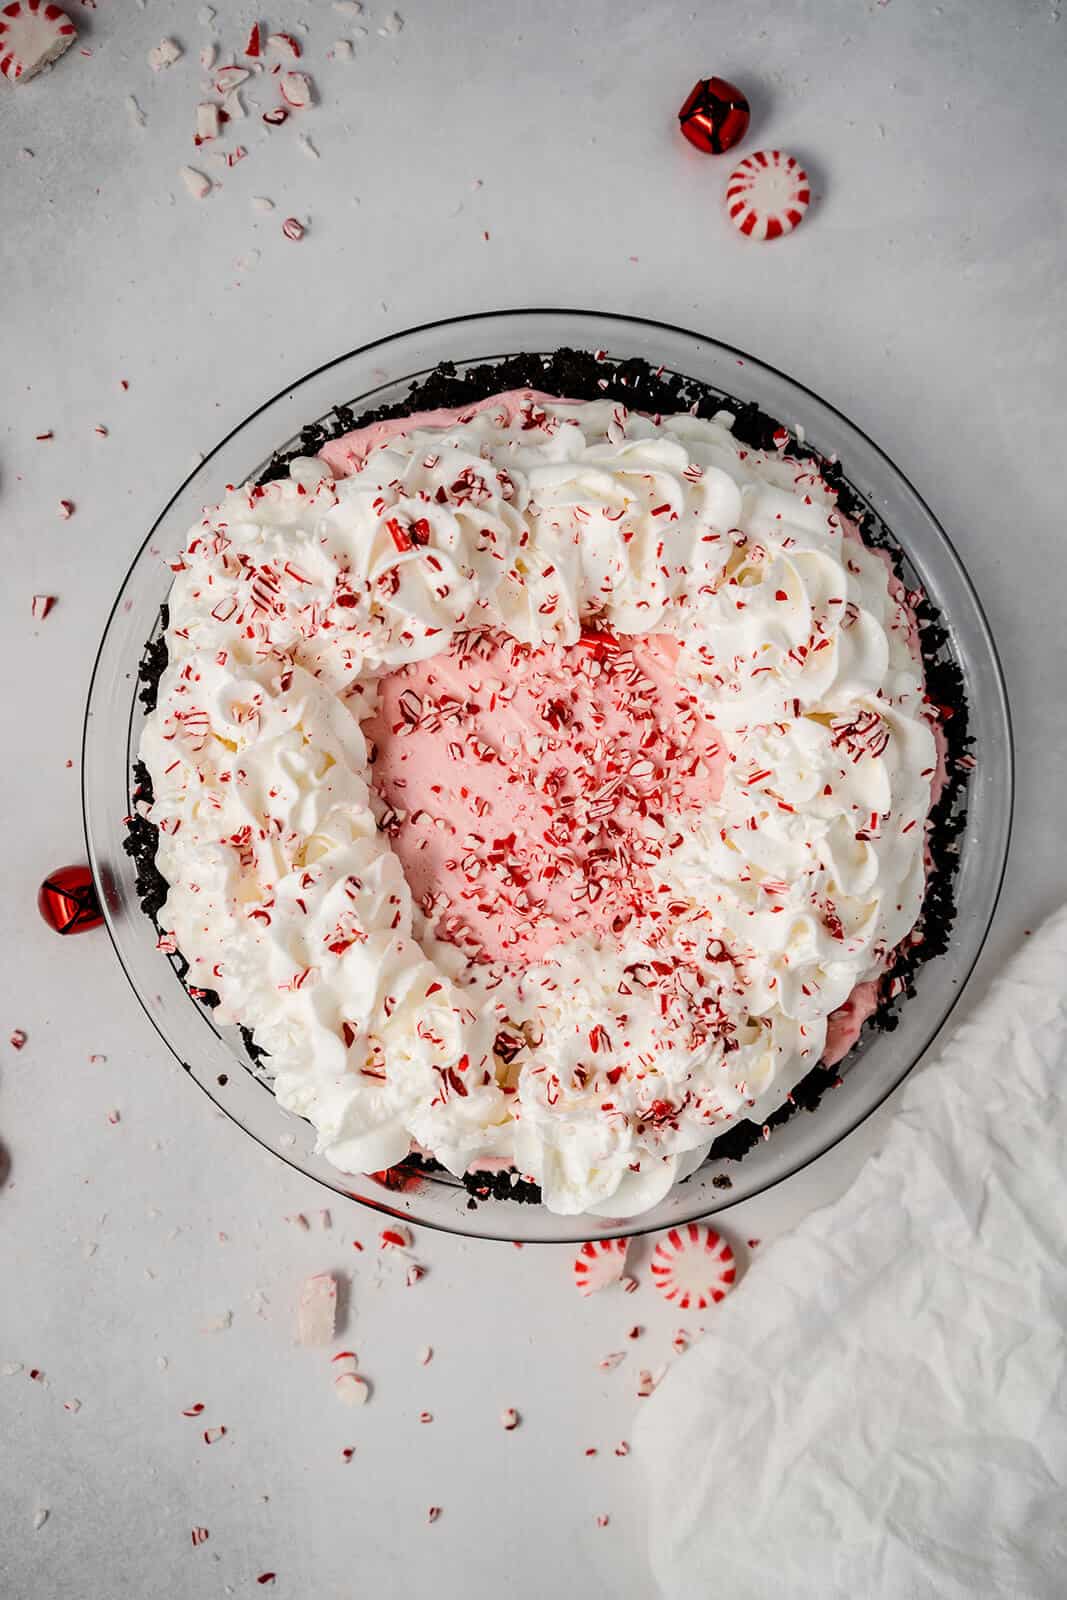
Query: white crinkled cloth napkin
[[880, 1410]]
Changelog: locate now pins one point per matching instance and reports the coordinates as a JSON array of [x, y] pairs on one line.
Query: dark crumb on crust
[[154, 662], [579, 375]]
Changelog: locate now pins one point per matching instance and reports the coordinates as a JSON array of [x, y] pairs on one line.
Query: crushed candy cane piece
[[599, 1263], [213, 1435], [66, 509], [252, 47], [208, 54], [114, 1117], [608, 1363], [425, 1416], [296, 90], [425, 1355], [40, 1517], [275, 117], [433, 1513], [352, 1389], [300, 1220], [628, 1285], [622, 1448], [394, 23], [286, 42], [602, 1521], [165, 54], [344, 1361], [635, 1332], [233, 106], [198, 1536], [396, 1236], [326, 1219], [207, 121], [228, 78], [194, 1411], [308, 148], [292, 228], [197, 183], [348, 1452], [317, 1312], [414, 1273], [348, 8], [767, 194], [645, 1384], [42, 605], [342, 50], [72, 1405], [680, 1342], [33, 34], [134, 112], [693, 1266], [262, 203], [509, 1419], [18, 1038]]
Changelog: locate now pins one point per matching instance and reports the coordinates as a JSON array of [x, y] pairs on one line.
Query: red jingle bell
[[67, 900], [715, 116]]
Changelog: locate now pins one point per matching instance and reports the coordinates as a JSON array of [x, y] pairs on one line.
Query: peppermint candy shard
[[599, 1262], [32, 36], [767, 194], [693, 1266]]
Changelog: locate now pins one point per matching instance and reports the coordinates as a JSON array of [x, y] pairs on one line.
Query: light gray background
[[923, 296]]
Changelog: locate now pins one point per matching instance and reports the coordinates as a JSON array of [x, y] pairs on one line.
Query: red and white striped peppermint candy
[[767, 194], [598, 1263], [693, 1266], [32, 36]]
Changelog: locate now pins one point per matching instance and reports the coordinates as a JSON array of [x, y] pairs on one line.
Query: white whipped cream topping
[[291, 600]]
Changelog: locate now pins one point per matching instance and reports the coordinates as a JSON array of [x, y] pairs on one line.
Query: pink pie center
[[530, 792]]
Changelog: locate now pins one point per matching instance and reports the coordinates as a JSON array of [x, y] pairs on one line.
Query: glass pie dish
[[382, 373]]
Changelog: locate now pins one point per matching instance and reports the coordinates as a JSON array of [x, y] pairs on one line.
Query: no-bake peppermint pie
[[542, 784]]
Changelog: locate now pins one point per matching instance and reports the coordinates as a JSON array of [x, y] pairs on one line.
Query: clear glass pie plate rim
[[381, 372]]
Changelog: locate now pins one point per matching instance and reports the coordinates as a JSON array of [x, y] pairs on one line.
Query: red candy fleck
[[433, 1513], [292, 228], [42, 605], [198, 1536], [266, 1577], [68, 902], [252, 47], [18, 1038], [715, 116]]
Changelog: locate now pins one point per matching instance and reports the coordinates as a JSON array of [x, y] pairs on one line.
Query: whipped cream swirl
[[605, 1070]]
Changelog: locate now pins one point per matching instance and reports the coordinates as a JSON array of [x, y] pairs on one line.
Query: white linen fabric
[[880, 1410]]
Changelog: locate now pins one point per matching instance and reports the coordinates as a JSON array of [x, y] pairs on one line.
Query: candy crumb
[[317, 1311], [433, 1513], [197, 183], [40, 1517], [164, 54], [66, 509], [425, 1355], [42, 605], [509, 1419], [18, 1038]]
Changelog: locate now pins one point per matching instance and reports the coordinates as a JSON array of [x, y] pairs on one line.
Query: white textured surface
[[923, 295], [913, 1437]]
